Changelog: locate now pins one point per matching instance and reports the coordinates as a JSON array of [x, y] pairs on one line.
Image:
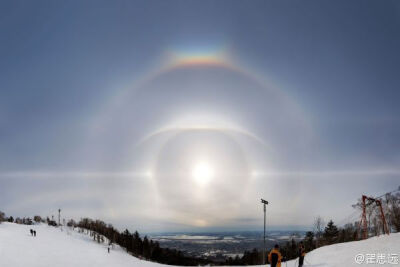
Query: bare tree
[[392, 208], [2, 216], [319, 226]]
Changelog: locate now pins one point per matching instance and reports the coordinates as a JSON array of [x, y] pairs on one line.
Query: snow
[[187, 237], [344, 254], [53, 247]]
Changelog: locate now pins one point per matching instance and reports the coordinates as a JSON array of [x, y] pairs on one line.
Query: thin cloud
[[323, 173], [73, 174]]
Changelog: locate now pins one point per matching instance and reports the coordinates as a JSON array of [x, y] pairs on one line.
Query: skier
[[34, 233], [31, 232], [302, 253], [275, 257], [108, 249]]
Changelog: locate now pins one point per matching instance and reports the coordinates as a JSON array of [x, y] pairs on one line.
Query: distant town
[[220, 246]]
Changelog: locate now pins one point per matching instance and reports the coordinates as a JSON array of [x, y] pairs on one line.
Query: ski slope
[[67, 248], [344, 254], [56, 248]]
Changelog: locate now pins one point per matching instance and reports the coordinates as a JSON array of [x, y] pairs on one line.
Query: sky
[[181, 115]]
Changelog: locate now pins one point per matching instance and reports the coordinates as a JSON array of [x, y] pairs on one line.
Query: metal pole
[[59, 215], [264, 202], [264, 234]]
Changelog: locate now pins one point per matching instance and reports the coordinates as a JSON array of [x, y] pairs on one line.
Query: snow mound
[[53, 247]]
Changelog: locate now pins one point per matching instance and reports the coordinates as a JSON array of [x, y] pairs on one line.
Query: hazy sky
[[181, 115]]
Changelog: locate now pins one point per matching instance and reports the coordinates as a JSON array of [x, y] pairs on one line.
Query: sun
[[202, 173]]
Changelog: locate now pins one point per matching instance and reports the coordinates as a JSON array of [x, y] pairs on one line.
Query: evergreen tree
[[137, 244], [309, 241], [146, 248], [331, 233], [127, 240], [251, 257], [156, 255]]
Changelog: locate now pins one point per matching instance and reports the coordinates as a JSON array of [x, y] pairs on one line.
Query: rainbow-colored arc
[[187, 58], [199, 60], [199, 57]]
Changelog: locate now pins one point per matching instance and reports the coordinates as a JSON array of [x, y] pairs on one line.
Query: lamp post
[[59, 217], [264, 202]]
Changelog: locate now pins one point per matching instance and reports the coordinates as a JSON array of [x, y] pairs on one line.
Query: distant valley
[[221, 245]]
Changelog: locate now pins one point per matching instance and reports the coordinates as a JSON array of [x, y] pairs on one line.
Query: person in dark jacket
[[275, 257], [302, 253]]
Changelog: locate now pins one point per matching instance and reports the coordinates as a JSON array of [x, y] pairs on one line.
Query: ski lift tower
[[264, 202], [366, 201]]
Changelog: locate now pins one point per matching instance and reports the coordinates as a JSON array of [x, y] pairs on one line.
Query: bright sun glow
[[202, 173]]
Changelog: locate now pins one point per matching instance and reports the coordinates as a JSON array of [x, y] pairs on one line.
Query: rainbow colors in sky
[[199, 56]]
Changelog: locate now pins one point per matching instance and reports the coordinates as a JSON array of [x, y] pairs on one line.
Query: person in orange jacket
[[275, 257]]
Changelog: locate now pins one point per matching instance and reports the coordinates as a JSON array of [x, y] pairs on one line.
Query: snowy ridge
[[67, 248]]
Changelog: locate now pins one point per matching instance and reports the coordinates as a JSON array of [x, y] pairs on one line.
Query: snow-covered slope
[[53, 247], [385, 247], [56, 248]]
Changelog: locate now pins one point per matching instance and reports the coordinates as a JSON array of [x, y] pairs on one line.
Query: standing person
[[275, 257], [302, 253], [31, 232], [34, 233], [108, 249]]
